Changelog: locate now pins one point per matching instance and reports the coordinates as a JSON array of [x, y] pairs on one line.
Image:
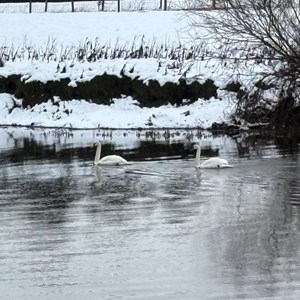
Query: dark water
[[70, 230]]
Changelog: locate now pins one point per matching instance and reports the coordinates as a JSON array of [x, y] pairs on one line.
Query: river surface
[[71, 230]]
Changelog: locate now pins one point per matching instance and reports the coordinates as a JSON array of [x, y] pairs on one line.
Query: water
[[70, 230]]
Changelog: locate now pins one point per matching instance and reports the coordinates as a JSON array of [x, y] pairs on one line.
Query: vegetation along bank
[[251, 56]]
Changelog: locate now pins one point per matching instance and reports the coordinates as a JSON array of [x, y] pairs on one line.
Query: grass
[[138, 48], [92, 51]]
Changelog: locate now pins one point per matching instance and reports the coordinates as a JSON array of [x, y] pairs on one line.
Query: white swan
[[111, 160], [211, 163]]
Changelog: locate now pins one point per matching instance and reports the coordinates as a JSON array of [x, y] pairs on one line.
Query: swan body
[[109, 160], [211, 163]]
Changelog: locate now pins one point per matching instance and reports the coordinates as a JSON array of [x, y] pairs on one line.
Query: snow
[[68, 31], [121, 114], [73, 28]]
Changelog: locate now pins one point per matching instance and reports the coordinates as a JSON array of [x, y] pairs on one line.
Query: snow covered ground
[[64, 33], [121, 114]]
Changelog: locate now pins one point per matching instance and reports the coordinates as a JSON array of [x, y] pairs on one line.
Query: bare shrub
[[263, 32]]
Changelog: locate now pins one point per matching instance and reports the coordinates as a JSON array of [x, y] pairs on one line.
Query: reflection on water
[[70, 230]]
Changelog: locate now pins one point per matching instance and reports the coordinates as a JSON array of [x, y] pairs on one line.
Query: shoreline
[[150, 76]]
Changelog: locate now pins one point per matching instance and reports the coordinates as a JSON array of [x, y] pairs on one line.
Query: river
[[72, 230]]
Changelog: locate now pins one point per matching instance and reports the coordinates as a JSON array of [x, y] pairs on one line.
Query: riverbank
[[111, 73]]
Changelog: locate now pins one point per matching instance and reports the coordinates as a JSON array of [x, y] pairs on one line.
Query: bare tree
[[271, 27]]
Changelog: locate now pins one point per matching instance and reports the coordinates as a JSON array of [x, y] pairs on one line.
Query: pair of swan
[[116, 160]]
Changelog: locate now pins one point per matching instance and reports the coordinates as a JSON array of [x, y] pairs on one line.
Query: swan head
[[94, 144], [196, 146]]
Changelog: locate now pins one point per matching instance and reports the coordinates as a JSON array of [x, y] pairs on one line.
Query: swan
[[112, 160], [211, 163]]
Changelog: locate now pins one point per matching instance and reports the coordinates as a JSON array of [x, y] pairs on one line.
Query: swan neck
[[198, 154], [98, 153]]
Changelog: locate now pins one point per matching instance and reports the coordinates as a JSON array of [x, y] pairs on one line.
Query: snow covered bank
[[81, 46], [122, 113]]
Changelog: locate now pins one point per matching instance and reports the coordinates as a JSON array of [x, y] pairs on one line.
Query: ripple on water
[[220, 235]]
